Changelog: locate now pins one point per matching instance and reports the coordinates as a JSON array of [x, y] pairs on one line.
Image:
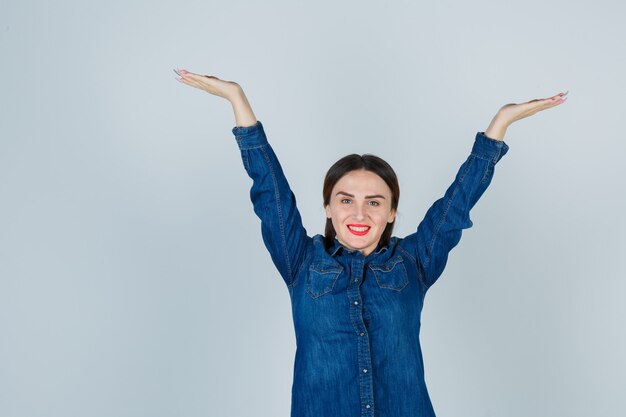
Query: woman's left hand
[[513, 112]]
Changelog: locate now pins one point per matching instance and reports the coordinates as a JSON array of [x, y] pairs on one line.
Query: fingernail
[[182, 71]]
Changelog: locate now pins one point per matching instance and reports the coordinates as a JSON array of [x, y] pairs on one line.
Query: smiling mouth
[[358, 229]]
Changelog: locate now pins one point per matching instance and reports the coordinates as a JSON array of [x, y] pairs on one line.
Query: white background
[[133, 277]]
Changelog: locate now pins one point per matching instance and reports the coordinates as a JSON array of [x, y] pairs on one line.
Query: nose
[[359, 212]]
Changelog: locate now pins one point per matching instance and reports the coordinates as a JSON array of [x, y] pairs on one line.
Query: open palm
[[210, 84], [516, 111], [513, 112]]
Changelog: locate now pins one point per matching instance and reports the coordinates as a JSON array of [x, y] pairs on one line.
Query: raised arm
[[274, 203], [440, 230]]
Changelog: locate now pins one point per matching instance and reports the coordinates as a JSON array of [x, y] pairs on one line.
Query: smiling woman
[[361, 195], [357, 292]]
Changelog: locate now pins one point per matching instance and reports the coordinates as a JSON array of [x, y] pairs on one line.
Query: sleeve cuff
[[250, 136], [487, 148]]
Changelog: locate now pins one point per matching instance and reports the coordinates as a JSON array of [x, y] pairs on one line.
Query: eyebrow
[[367, 196]]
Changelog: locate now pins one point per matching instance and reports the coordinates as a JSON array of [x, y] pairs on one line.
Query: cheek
[[336, 212], [338, 218], [384, 219]]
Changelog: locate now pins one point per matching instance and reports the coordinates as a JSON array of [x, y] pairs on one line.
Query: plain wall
[[125, 216]]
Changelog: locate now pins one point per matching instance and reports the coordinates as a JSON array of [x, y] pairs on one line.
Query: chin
[[357, 244]]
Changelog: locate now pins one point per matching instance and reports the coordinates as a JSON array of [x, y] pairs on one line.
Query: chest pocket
[[391, 274], [322, 278]]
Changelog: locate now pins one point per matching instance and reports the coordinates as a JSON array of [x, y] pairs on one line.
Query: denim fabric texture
[[357, 318]]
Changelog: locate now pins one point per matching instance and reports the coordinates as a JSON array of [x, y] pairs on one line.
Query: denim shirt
[[356, 317]]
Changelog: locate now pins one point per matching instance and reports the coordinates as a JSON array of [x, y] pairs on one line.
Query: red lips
[[362, 229]]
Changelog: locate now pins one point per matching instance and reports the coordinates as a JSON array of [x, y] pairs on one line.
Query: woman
[[357, 293]]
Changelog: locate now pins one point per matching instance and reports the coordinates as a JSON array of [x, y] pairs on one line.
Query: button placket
[[363, 345], [364, 356]]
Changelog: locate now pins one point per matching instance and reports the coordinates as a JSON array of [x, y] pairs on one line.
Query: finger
[[192, 83], [545, 102], [533, 106], [186, 80], [181, 75], [199, 77], [558, 100], [548, 99], [551, 102], [188, 74], [560, 96]]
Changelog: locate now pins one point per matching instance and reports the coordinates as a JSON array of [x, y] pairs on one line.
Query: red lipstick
[[361, 229]]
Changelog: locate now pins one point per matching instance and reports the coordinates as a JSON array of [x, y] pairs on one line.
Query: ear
[[392, 216], [327, 208]]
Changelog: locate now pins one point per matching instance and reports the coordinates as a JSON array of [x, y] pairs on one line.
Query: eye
[[374, 203], [345, 201]]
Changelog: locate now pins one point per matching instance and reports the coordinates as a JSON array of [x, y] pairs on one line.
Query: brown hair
[[356, 162]]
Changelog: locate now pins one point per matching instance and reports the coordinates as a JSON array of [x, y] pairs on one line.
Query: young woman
[[357, 292]]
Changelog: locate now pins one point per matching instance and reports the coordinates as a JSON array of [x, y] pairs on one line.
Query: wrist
[[236, 95], [497, 128], [244, 116]]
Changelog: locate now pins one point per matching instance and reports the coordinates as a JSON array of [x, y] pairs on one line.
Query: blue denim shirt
[[357, 318]]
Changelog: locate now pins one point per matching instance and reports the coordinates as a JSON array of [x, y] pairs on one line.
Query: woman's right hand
[[213, 85]]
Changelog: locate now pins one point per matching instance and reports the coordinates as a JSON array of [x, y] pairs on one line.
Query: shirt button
[[361, 334], [356, 302], [356, 280], [367, 406], [365, 370]]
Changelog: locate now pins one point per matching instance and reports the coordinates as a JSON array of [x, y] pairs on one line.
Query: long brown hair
[[356, 162]]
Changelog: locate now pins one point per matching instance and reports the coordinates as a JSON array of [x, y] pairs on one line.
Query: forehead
[[362, 182]]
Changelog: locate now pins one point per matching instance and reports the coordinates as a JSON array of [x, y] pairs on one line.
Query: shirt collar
[[337, 247]]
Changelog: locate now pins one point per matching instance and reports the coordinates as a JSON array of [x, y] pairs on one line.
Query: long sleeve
[[440, 230], [274, 202]]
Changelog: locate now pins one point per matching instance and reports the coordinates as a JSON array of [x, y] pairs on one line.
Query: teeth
[[358, 229]]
